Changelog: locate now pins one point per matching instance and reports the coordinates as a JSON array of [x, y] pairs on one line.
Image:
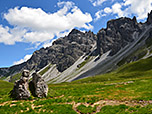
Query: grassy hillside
[[5, 88], [124, 91]]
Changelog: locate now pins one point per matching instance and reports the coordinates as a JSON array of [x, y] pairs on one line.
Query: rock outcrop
[[20, 90], [37, 86]]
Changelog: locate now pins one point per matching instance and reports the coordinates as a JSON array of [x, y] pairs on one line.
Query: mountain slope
[[137, 69]]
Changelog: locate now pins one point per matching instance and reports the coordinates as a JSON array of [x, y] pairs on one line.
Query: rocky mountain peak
[[118, 23], [117, 35], [75, 31], [149, 19], [134, 20]]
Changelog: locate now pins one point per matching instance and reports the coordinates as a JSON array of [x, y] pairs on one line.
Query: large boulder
[[20, 90], [38, 87]]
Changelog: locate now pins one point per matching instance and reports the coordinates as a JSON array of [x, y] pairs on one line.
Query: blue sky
[[28, 25]]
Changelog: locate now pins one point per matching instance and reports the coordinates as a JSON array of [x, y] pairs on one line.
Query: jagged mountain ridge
[[63, 52], [67, 50]]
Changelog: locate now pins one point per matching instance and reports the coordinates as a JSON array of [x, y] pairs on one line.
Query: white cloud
[[67, 5], [107, 10], [97, 2], [139, 8], [116, 9], [99, 14], [34, 25], [27, 57], [35, 37], [10, 36]]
